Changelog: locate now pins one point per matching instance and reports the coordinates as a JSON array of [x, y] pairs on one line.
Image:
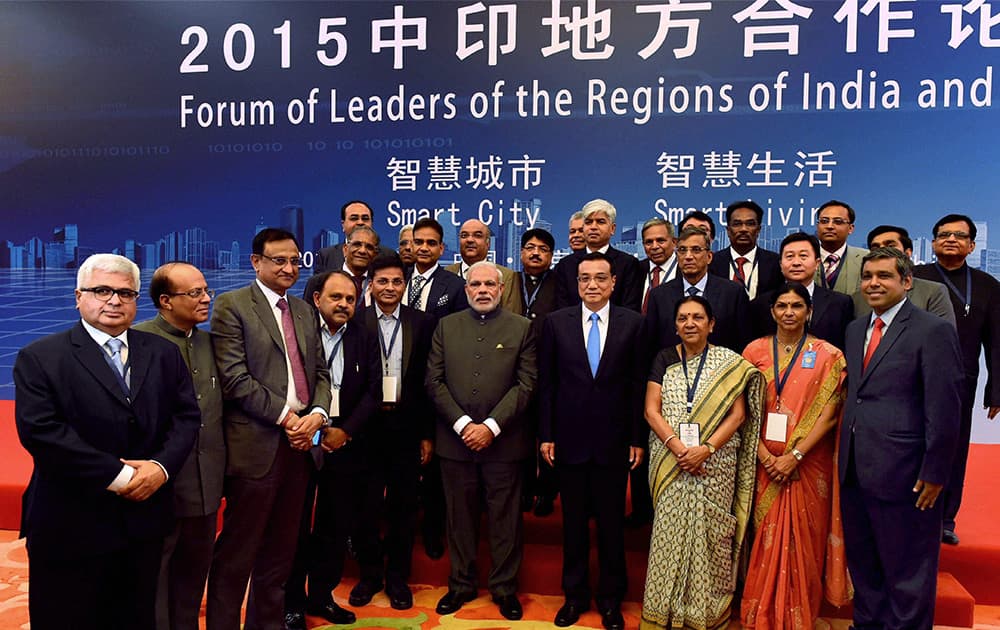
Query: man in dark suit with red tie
[[755, 268], [590, 407], [897, 442]]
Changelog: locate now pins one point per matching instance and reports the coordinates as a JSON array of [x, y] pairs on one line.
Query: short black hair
[[270, 235], [749, 205], [791, 287], [343, 208], [160, 284], [694, 298], [701, 216], [796, 237], [904, 266], [598, 256], [954, 218], [385, 261], [324, 277], [543, 235], [428, 222], [904, 236], [835, 202]]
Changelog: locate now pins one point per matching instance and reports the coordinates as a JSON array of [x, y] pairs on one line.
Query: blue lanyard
[[386, 351], [692, 387], [528, 301], [779, 381], [329, 361], [737, 270], [966, 299]]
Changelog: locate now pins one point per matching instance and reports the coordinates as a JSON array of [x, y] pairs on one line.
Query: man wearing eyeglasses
[[474, 245], [975, 296], [352, 214], [109, 416], [182, 299], [276, 388], [840, 263], [360, 249], [756, 269]]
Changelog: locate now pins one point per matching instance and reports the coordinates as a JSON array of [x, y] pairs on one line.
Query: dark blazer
[[729, 305], [250, 353], [331, 258], [901, 415], [447, 293], [925, 294], [628, 280], [361, 386], [590, 417], [832, 312], [544, 303], [413, 406], [76, 422], [511, 299], [768, 269]]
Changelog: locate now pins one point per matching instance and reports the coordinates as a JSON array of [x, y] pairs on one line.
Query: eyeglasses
[[959, 236], [281, 261], [737, 224], [104, 294], [599, 279], [541, 249], [195, 294], [696, 250], [835, 220]]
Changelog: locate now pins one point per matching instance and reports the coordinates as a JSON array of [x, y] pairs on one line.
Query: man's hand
[[635, 456], [426, 451], [147, 479], [300, 432], [477, 436], [548, 451], [928, 494], [334, 438], [991, 412]]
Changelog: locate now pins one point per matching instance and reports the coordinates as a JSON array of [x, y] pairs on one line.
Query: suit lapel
[[610, 347], [820, 302], [898, 327], [91, 356], [266, 315], [139, 362], [407, 332], [575, 327], [302, 318]]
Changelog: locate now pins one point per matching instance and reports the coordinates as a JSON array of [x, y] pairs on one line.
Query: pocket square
[[443, 300], [499, 346]]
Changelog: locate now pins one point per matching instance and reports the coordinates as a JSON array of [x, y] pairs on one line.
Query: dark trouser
[[112, 591], [432, 497], [586, 489], [187, 555], [259, 524], [892, 555], [466, 484], [952, 495], [642, 501], [540, 479]]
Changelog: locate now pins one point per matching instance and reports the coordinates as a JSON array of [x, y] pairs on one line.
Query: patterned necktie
[[115, 346], [831, 268], [653, 283], [594, 344], [693, 291], [739, 276], [873, 342], [416, 286], [292, 349]]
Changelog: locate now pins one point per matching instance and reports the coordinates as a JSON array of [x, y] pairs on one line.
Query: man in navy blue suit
[[897, 442]]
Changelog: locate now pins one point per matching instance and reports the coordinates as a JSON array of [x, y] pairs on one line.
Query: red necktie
[[292, 349], [873, 342], [738, 276], [655, 282]]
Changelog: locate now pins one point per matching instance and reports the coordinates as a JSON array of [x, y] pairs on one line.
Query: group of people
[[794, 424]]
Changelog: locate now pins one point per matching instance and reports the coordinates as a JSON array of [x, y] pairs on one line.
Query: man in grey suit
[[480, 376], [926, 294], [276, 389], [840, 268], [474, 245], [182, 299]]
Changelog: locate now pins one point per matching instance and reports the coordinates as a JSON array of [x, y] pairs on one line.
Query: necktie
[[359, 283], [739, 270], [653, 283], [416, 286], [292, 349], [594, 344], [692, 291], [115, 346], [873, 342], [831, 268]]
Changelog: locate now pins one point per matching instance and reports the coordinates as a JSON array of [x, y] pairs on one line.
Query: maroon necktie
[[359, 283], [292, 349], [655, 282], [873, 342], [738, 275]]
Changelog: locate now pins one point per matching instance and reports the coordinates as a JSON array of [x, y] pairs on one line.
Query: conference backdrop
[[177, 130]]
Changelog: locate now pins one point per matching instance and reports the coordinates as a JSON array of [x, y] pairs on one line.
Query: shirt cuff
[[166, 475], [122, 479], [461, 423], [493, 426], [284, 412], [320, 411]]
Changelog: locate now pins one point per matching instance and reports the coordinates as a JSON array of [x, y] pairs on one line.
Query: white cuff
[[284, 412], [461, 423], [493, 426], [122, 479], [166, 475]]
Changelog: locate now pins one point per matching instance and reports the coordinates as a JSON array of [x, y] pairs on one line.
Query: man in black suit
[[590, 402], [832, 311], [352, 358], [897, 443], [697, 218], [405, 431], [660, 265], [598, 225], [361, 247], [108, 415], [728, 299], [352, 214], [755, 268]]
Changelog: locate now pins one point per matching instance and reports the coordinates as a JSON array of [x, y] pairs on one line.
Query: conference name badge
[[689, 433], [389, 389], [809, 359], [335, 401], [777, 427]]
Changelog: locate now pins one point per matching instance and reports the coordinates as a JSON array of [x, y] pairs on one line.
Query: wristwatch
[[797, 454], [711, 448]]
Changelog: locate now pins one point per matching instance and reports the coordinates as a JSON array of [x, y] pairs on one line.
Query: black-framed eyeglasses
[[195, 294], [281, 261], [944, 235], [839, 222], [104, 294], [542, 249]]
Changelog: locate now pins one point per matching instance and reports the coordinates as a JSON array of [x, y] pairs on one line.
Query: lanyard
[[666, 273], [329, 362], [779, 381], [836, 273], [386, 351], [529, 300], [966, 299], [692, 387], [737, 270]]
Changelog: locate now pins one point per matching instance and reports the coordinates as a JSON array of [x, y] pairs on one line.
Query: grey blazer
[[925, 294]]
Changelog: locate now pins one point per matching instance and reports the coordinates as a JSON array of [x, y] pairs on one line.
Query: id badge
[[777, 427], [389, 389], [809, 359], [334, 402], [690, 434], [316, 438]]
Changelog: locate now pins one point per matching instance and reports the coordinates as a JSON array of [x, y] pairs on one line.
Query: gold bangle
[[667, 441]]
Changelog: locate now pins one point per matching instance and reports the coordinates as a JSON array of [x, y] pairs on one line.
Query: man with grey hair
[[598, 225], [108, 415], [474, 245], [360, 249], [406, 253], [577, 242], [480, 376]]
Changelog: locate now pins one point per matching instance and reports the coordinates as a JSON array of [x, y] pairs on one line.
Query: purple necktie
[[292, 348]]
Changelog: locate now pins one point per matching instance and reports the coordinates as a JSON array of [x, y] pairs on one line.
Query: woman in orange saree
[[798, 551]]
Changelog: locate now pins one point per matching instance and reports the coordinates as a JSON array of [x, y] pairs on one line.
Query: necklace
[[787, 346]]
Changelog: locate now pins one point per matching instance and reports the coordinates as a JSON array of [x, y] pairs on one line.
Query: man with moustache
[[361, 247], [758, 270], [975, 297], [474, 243], [840, 268], [182, 299], [577, 241], [598, 225], [276, 389], [405, 431], [832, 311], [346, 469], [108, 415], [352, 214], [405, 249], [480, 376]]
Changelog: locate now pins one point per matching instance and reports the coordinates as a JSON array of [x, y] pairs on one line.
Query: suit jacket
[[447, 293], [250, 353], [832, 312], [361, 385], [76, 422], [925, 294], [849, 279], [628, 280], [901, 415], [768, 268], [511, 298], [483, 366], [544, 300], [331, 258], [729, 305], [413, 407], [591, 417]]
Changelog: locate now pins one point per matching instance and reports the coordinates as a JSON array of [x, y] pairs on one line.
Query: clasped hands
[[477, 436], [781, 468], [301, 429], [147, 479], [690, 459]]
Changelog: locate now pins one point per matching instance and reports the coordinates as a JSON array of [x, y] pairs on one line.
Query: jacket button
[[859, 401]]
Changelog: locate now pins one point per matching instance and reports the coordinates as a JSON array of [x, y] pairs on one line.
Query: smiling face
[[361, 249], [406, 247], [387, 287], [577, 241], [658, 244], [113, 316], [693, 324], [953, 242], [882, 285], [277, 277], [474, 241], [354, 215], [790, 313], [180, 309], [335, 300]]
